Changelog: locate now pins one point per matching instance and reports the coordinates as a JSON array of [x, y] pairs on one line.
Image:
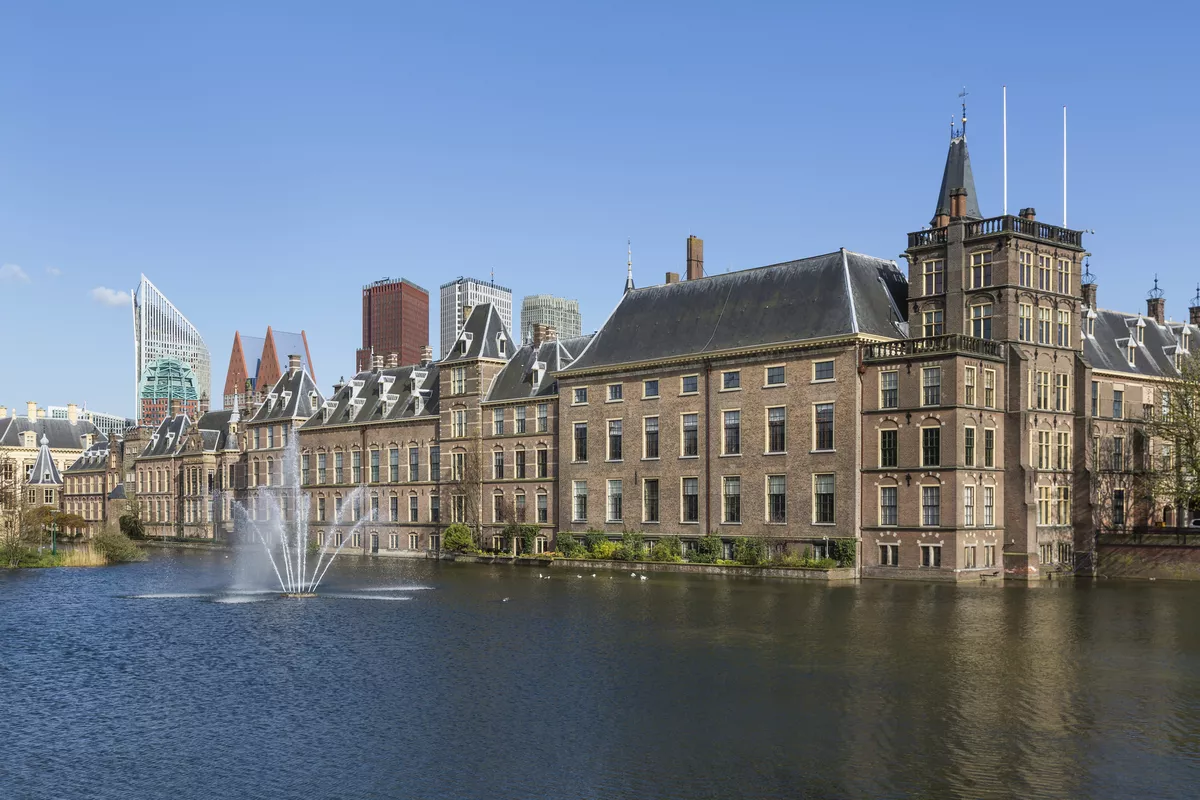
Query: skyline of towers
[[161, 331], [395, 319]]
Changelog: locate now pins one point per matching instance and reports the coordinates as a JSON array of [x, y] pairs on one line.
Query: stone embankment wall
[[1161, 562]]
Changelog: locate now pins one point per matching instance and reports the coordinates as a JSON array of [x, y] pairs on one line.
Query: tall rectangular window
[[969, 386], [823, 426], [1062, 505], [981, 270], [374, 508], [543, 509], [458, 380], [1064, 276], [889, 454], [579, 500], [989, 388], [887, 505], [498, 465], [1095, 398], [519, 464], [394, 465], [615, 505], [1026, 268], [458, 424], [1043, 450], [1063, 328], [1062, 391], [823, 499], [1043, 325], [989, 506], [1118, 454], [1044, 273], [1042, 390], [650, 437], [931, 506], [1118, 404], [777, 498], [519, 419], [356, 465], [1025, 322], [374, 466], [614, 440], [339, 470], [650, 500], [1043, 505], [520, 508], [1118, 508], [581, 441], [543, 417], [1062, 459], [934, 273], [543, 462], [969, 506], [414, 513], [394, 508], [931, 447], [981, 321], [933, 323], [931, 386], [305, 465], [731, 498], [969, 446], [776, 430], [322, 463], [889, 389], [691, 500], [691, 435], [435, 463], [989, 447], [414, 464], [497, 421], [458, 466], [435, 508], [732, 432]]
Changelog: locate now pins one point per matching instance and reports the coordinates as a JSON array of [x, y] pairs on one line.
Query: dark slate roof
[[841, 293], [390, 394], [290, 398], [63, 434], [516, 380], [957, 175], [44, 471], [167, 439], [1155, 355], [118, 492], [483, 328], [95, 458], [214, 429]]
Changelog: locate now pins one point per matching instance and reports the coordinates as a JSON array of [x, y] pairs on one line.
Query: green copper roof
[[168, 379]]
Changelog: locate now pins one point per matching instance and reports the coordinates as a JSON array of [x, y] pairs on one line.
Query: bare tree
[[1175, 427], [23, 521], [465, 487]]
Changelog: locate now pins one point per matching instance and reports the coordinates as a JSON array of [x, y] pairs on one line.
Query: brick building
[[395, 319]]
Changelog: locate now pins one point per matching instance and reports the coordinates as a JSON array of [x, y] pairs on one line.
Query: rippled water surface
[[417, 679]]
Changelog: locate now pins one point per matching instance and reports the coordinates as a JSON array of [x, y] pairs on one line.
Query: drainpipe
[[707, 449]]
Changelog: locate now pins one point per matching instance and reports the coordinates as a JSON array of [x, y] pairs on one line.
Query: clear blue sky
[[261, 161]]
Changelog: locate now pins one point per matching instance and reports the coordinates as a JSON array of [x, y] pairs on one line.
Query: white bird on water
[[633, 574], [505, 600], [643, 578], [593, 574]]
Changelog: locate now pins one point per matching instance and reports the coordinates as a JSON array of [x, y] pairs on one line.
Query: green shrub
[[669, 548], [843, 551], [528, 539], [457, 539], [708, 550], [30, 557], [592, 541], [131, 526], [117, 547], [632, 548], [750, 551], [604, 550], [568, 545]]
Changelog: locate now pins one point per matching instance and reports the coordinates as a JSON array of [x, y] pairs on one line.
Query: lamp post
[[53, 537]]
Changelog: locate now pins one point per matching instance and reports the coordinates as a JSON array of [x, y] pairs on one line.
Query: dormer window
[[1131, 353], [1141, 330], [502, 344], [464, 344], [1091, 324], [1187, 339], [312, 401]]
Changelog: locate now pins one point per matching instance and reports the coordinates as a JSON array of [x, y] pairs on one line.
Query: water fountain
[[277, 517]]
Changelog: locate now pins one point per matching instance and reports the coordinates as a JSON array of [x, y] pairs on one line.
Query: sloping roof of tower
[[394, 393], [63, 434], [44, 471], [835, 294], [1154, 356], [167, 439], [516, 380], [482, 330], [214, 429], [958, 175], [168, 378], [294, 395]]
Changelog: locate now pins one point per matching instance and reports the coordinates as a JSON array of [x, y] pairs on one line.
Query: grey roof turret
[[957, 175], [44, 471]]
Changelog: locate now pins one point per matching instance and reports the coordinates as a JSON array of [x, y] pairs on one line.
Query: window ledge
[[650, 522], [689, 394], [774, 386], [651, 458], [825, 524], [689, 522], [690, 457], [725, 391], [727, 522], [614, 461], [652, 397], [730, 455], [775, 452], [823, 380], [814, 452], [608, 402]]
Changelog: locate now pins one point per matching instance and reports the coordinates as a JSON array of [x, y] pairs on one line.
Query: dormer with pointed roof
[[44, 472]]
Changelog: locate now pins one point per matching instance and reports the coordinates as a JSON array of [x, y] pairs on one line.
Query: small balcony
[[1004, 224], [949, 344]]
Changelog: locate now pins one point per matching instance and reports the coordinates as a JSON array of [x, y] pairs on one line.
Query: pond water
[[435, 680]]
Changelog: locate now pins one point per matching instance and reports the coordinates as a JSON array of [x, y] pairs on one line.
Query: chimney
[[1194, 315], [958, 203], [466, 315], [376, 363], [31, 409], [3, 412], [695, 258], [941, 220], [204, 405], [393, 360], [1029, 213], [1156, 308], [426, 356], [539, 335], [72, 413], [672, 277], [176, 407], [551, 333], [293, 363], [1089, 295]]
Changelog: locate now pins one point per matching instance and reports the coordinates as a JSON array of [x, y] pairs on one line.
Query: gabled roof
[[482, 331], [1154, 356], [516, 380], [44, 472], [118, 492], [958, 175], [836, 294], [214, 429], [94, 459], [395, 393], [167, 439], [294, 396], [63, 434]]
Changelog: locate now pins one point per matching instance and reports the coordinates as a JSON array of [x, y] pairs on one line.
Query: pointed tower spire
[[629, 266], [957, 197]]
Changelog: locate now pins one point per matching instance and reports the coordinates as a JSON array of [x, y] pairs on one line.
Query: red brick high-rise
[[395, 320]]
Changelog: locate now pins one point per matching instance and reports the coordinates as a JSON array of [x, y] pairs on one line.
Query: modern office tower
[[257, 362], [161, 331], [463, 293], [111, 425], [545, 309], [395, 319], [168, 388]]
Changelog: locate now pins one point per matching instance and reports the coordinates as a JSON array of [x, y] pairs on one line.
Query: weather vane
[[962, 132], [1155, 293]]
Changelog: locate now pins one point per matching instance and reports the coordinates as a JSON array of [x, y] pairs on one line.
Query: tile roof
[[44, 472], [1154, 356], [517, 379], [482, 331], [958, 175], [93, 459], [167, 439], [840, 293], [63, 434], [294, 396], [395, 393]]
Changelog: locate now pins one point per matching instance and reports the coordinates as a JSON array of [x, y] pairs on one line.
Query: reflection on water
[[677, 686]]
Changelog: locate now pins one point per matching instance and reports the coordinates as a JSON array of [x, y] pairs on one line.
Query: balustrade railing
[[994, 225], [934, 345]]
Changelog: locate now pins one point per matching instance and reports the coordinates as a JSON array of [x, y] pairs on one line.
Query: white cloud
[[110, 297], [11, 272], [53, 272]]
